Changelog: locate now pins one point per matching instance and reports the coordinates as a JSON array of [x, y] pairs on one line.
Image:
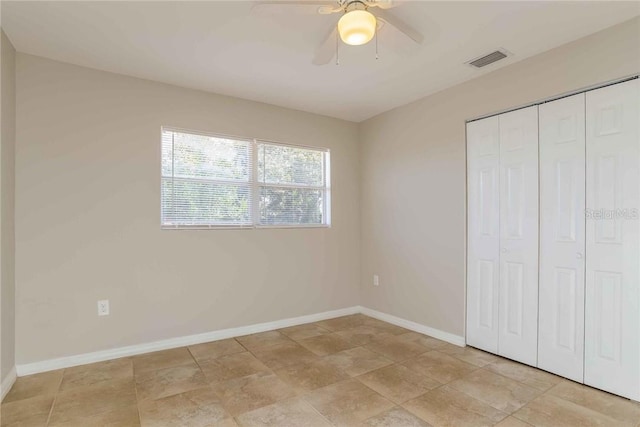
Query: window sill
[[294, 226], [234, 227]]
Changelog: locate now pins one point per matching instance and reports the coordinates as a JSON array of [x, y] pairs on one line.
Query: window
[[213, 181]]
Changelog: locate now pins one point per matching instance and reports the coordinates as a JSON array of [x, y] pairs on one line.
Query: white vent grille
[[488, 59]]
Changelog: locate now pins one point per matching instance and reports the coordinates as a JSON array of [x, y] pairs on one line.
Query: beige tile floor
[[349, 371]]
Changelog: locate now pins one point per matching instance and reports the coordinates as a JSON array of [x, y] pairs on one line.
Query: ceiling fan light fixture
[[357, 27]]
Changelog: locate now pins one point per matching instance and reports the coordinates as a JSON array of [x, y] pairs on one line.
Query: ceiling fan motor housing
[[354, 5]]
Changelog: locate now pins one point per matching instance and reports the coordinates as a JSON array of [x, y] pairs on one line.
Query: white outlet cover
[[103, 307], [376, 280]]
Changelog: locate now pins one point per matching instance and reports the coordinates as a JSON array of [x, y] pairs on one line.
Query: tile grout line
[[520, 382], [309, 392], [135, 389], [209, 385], [55, 397], [505, 377], [315, 410]]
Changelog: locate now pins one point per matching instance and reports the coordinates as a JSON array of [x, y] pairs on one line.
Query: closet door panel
[[562, 237], [612, 322], [482, 234], [518, 294]]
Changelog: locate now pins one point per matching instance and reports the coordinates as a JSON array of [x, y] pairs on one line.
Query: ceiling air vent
[[485, 60]]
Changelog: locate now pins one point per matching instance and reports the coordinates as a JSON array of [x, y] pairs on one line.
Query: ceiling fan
[[357, 25]]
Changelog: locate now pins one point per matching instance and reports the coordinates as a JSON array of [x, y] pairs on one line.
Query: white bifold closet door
[[483, 256], [562, 237], [612, 319], [518, 295]]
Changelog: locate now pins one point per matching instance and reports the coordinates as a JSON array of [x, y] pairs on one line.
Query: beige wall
[[413, 174], [7, 175], [88, 218]]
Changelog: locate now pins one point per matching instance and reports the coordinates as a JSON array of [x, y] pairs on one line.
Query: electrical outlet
[[103, 307], [376, 280]]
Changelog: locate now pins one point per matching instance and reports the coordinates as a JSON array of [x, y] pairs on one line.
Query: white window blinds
[[293, 185], [212, 181]]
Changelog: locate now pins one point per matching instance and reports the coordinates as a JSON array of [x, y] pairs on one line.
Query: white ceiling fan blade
[[301, 7], [327, 49], [382, 4], [329, 9], [390, 19]]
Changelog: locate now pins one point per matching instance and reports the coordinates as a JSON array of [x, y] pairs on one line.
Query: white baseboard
[[99, 356], [7, 383], [416, 327]]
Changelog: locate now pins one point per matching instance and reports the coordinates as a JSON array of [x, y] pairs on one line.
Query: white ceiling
[[228, 48]]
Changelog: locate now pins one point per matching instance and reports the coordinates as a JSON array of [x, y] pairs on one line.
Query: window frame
[[254, 184]]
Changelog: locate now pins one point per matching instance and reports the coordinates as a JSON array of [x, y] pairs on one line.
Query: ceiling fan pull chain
[[376, 35]]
